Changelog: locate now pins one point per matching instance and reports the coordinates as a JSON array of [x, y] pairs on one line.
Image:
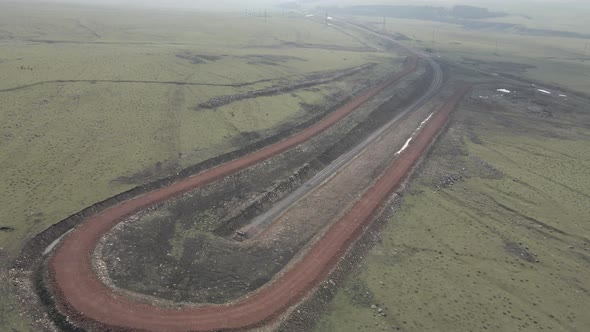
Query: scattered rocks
[[449, 181], [522, 253]]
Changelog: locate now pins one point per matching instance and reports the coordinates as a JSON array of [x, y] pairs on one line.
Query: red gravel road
[[83, 297]]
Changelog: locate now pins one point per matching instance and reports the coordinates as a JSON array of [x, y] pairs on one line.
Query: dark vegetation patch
[[246, 136], [521, 252], [149, 174], [198, 58], [236, 85], [290, 44], [310, 80], [531, 219], [6, 229], [273, 60]]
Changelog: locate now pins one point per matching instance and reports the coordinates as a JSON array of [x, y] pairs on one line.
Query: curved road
[[260, 222], [85, 299]]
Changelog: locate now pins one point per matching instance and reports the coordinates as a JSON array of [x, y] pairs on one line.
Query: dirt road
[[261, 222], [87, 300]]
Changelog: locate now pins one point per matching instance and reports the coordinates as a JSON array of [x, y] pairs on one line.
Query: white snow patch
[[413, 135], [309, 15], [504, 90], [544, 91], [329, 18], [55, 243], [564, 96]]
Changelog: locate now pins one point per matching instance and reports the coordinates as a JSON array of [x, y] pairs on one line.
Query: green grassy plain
[[504, 248], [63, 143], [93, 99], [557, 60]]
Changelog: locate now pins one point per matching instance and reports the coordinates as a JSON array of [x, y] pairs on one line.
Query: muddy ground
[[183, 251]]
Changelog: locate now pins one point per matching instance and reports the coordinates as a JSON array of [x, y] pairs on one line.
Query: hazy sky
[[235, 4]]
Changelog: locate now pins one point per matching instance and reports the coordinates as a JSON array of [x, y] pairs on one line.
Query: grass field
[[123, 112], [95, 101], [557, 60], [492, 233]]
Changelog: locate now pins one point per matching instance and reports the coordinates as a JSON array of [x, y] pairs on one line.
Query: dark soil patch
[[522, 253], [198, 58], [246, 136], [210, 270], [273, 60], [192, 58], [311, 80], [157, 171], [263, 62], [6, 229]]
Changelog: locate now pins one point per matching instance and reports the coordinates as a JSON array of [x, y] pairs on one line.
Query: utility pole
[[586, 50], [384, 24], [265, 16]]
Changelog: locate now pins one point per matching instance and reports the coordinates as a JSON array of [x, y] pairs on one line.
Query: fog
[[217, 4], [530, 7]]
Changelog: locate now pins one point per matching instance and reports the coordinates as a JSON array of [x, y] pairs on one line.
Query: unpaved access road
[[83, 296], [261, 222], [70, 264]]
